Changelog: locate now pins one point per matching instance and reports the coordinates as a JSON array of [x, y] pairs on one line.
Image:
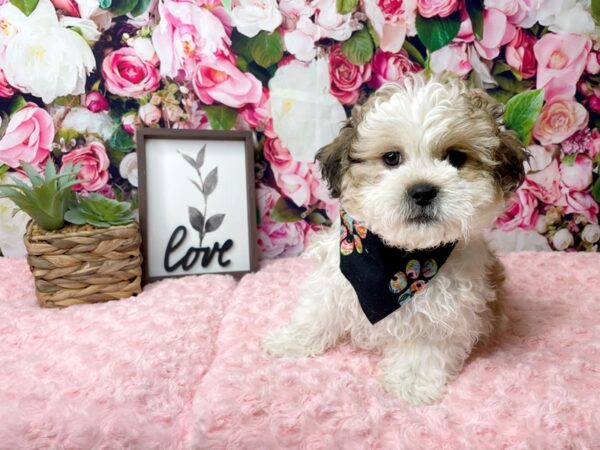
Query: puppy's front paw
[[291, 341], [415, 388]]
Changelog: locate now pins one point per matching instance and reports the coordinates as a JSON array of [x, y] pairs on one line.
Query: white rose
[[144, 48], [41, 57], [88, 28], [591, 233], [129, 168], [563, 239], [305, 115], [541, 225], [566, 16], [252, 16], [12, 228], [87, 122]]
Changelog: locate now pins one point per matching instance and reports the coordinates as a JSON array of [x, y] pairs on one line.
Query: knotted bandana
[[384, 278]]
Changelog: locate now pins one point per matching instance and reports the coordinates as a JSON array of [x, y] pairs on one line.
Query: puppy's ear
[[334, 158]]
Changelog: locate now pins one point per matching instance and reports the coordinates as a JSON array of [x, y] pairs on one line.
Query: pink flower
[[127, 75], [94, 166], [453, 58], [442, 8], [187, 32], [575, 202], [28, 137], [594, 103], [277, 238], [559, 120], [581, 142], [130, 122], [150, 114], [392, 20], [519, 54], [561, 59], [346, 78], [518, 12], [217, 79], [279, 157], [497, 31], [258, 114], [593, 63], [295, 186], [544, 184], [577, 176], [96, 102], [329, 23], [6, 90], [69, 7], [521, 212], [390, 67]]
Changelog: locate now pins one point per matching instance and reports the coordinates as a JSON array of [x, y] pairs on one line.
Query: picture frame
[[197, 202]]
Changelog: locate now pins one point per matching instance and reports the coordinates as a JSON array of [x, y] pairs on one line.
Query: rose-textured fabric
[[180, 367]]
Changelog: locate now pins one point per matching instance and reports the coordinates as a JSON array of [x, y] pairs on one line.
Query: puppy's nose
[[423, 193]]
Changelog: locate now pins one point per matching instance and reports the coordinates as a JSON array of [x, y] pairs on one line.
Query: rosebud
[[594, 103], [149, 114], [96, 102], [563, 239]]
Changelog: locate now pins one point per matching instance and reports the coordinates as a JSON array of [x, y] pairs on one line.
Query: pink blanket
[[180, 367]]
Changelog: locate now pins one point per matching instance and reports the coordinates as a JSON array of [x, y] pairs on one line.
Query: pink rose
[[519, 54], [96, 102], [442, 8], [331, 24], [559, 120], [561, 59], [257, 115], [346, 78], [277, 238], [497, 31], [390, 67], [217, 79], [576, 202], [521, 212], [593, 63], [295, 186], [94, 166], [594, 103], [594, 148], [577, 176], [453, 58], [391, 20], [279, 157], [150, 114], [544, 184], [69, 7], [28, 137], [6, 90], [518, 12], [127, 75], [130, 122]]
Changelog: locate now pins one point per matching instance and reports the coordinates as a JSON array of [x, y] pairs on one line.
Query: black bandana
[[384, 278]]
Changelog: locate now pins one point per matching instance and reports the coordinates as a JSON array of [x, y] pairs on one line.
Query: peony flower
[[561, 59], [565, 16], [521, 13], [453, 58], [28, 137], [295, 185], [128, 168], [94, 166], [300, 95], [12, 226], [299, 31], [150, 114], [6, 90], [330, 24], [279, 157], [186, 32], [390, 67], [521, 211], [87, 122], [591, 233], [559, 120], [497, 31], [277, 238], [127, 75], [96, 102], [519, 54], [576, 202], [218, 79], [257, 115], [252, 16], [346, 78], [431, 8], [577, 176], [392, 20], [562, 239], [544, 184], [40, 56]]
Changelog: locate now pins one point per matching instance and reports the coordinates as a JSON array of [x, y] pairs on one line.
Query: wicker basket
[[83, 264]]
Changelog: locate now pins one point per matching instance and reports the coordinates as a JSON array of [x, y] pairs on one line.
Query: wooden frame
[[143, 136]]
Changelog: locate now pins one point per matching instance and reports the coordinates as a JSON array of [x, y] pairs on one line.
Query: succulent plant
[[47, 198], [100, 212]]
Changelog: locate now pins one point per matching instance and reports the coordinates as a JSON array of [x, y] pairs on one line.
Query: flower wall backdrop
[[78, 76]]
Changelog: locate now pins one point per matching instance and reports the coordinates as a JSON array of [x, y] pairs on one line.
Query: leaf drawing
[[196, 219], [197, 185], [214, 222], [189, 160], [211, 182], [200, 157]]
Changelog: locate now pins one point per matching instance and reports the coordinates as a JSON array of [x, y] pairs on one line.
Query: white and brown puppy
[[421, 164]]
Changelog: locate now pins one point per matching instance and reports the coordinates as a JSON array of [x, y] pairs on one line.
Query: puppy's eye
[[456, 158], [392, 159]]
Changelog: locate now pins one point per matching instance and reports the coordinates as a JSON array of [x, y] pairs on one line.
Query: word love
[[193, 253]]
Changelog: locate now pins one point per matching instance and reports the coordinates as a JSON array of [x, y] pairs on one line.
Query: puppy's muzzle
[[422, 194]]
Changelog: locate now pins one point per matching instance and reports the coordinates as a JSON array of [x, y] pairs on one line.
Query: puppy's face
[[424, 163]]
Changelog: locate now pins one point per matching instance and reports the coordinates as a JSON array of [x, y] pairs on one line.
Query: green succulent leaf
[[100, 212]]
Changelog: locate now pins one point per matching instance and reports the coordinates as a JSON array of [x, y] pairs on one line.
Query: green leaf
[[26, 6], [316, 218], [266, 48], [16, 104], [345, 6], [286, 210], [240, 45], [500, 94], [121, 140], [596, 190], [75, 217], [122, 7], [140, 7], [242, 63], [437, 32], [569, 160], [475, 11], [227, 5], [373, 33], [508, 82], [413, 52], [220, 117], [3, 169], [359, 47], [522, 112], [596, 10]]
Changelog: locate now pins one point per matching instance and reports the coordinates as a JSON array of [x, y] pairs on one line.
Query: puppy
[[421, 170]]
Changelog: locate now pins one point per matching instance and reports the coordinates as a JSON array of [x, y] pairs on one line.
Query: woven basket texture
[[83, 264]]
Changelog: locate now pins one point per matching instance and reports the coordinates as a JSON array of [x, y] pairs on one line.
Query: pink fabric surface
[[180, 367]]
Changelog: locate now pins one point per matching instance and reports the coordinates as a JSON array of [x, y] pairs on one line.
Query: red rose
[[346, 78]]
